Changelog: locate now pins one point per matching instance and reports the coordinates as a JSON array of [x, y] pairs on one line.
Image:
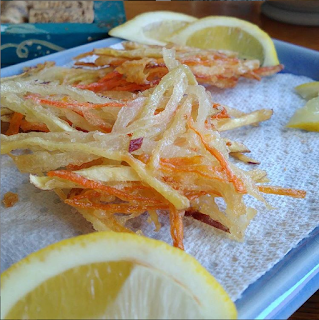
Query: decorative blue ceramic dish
[[285, 287], [22, 42]]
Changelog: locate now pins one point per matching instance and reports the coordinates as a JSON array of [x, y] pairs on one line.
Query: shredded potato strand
[[238, 184]]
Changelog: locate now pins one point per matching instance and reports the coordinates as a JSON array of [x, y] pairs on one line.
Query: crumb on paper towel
[[10, 199]]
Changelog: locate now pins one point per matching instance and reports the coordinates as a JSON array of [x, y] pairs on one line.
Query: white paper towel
[[290, 157]]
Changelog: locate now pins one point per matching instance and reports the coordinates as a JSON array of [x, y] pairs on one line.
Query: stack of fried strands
[[141, 66], [158, 151]]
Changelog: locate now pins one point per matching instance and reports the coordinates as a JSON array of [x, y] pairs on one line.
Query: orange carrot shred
[[111, 75], [105, 83], [91, 184], [84, 194], [72, 104], [27, 126], [15, 123], [113, 208], [283, 191], [223, 114]]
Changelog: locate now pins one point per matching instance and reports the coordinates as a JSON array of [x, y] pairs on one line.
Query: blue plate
[[285, 287]]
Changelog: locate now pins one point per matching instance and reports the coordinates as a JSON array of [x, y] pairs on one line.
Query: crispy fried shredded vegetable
[[138, 135], [145, 65]]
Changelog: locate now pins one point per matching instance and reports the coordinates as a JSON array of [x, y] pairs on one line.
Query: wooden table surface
[[248, 10]]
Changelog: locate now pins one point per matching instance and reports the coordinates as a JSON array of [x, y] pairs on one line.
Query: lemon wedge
[[228, 33], [307, 117], [108, 275], [152, 28], [308, 90]]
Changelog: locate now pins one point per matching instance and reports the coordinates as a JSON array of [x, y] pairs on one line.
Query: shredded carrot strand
[[223, 114], [237, 182], [15, 123], [283, 191], [90, 184], [74, 192], [105, 83], [113, 83], [116, 82], [85, 194], [27, 126], [72, 104], [177, 228], [112, 208], [111, 75]]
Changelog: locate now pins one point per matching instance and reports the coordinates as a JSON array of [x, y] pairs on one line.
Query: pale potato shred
[[114, 154]]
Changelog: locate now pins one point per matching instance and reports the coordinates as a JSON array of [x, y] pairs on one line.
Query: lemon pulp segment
[[56, 296], [106, 290]]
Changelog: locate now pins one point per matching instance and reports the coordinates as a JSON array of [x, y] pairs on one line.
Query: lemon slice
[[152, 27], [108, 275], [308, 90], [228, 33], [307, 117]]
